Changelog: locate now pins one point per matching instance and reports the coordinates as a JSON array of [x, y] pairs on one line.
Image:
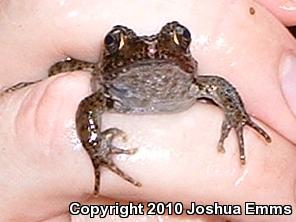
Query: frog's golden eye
[[182, 36], [117, 38]]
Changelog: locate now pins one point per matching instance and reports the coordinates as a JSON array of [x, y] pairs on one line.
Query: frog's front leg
[[222, 93], [99, 144]]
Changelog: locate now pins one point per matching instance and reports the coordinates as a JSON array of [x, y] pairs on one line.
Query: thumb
[[39, 168]]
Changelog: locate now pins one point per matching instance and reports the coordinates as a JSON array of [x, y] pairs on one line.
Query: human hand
[[43, 167]]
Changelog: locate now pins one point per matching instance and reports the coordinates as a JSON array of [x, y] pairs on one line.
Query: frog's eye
[[112, 41], [182, 36], [117, 38]]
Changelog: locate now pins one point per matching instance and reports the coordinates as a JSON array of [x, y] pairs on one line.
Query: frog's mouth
[[152, 63], [156, 63]]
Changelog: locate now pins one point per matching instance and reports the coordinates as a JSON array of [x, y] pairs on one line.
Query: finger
[[40, 157], [284, 10]]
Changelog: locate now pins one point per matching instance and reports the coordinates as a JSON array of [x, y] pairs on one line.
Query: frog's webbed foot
[[225, 95], [103, 153], [70, 65], [99, 145], [107, 149], [230, 122]]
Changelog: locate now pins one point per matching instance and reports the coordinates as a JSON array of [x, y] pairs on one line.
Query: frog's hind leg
[[70, 65], [99, 144], [223, 94], [18, 86]]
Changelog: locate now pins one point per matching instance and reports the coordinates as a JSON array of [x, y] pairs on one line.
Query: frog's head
[[124, 48]]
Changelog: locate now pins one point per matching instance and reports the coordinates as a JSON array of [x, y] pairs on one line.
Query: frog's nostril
[[151, 51]]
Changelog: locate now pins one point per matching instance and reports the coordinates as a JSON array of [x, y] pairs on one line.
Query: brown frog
[[144, 75]]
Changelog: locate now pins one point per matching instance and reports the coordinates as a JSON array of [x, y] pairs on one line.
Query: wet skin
[[145, 75]]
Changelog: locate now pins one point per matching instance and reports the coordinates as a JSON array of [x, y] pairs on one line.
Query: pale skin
[[45, 167]]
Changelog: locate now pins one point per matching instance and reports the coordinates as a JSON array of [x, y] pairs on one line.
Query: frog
[[148, 74]]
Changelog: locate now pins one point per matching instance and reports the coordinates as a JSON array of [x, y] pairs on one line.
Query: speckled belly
[[152, 89]]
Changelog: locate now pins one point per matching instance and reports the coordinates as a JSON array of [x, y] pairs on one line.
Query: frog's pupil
[[186, 34], [109, 40]]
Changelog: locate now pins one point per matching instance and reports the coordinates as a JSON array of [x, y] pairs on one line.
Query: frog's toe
[[116, 150], [221, 148], [107, 146], [259, 130], [237, 125], [226, 127], [111, 165], [111, 133], [240, 137]]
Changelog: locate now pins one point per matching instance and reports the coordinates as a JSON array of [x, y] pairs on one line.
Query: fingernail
[[288, 80]]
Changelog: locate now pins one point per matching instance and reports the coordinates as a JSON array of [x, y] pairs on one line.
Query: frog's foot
[[103, 155], [223, 94], [238, 125]]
